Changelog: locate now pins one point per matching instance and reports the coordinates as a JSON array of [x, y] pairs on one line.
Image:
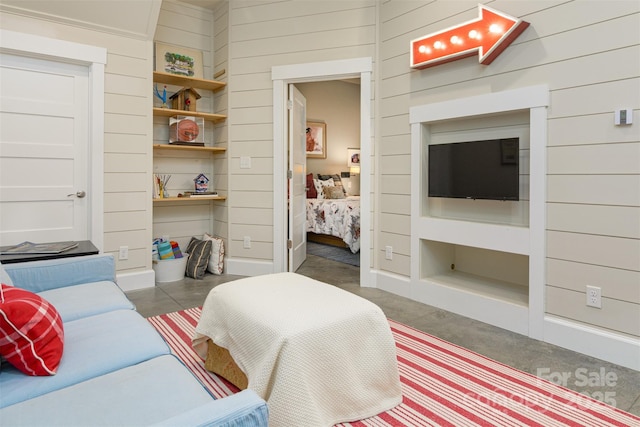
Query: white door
[[297, 183], [44, 138]]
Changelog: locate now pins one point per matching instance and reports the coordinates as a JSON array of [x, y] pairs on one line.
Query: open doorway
[[332, 213], [282, 77]]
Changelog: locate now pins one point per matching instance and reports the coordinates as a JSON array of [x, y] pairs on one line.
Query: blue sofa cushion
[[138, 395], [38, 276], [76, 302], [94, 346]]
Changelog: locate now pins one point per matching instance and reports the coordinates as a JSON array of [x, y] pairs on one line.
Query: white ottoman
[[317, 354]]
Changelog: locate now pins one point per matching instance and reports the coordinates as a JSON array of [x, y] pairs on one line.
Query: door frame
[[284, 75], [94, 58]]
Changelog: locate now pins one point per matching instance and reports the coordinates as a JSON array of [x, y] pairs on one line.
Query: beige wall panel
[[125, 104], [401, 244], [253, 148], [400, 264], [245, 12], [118, 123], [395, 165], [123, 202], [251, 131], [126, 85], [260, 63], [396, 125], [135, 239], [241, 98], [615, 283], [171, 212], [396, 204], [125, 182], [251, 183], [136, 261], [124, 162], [596, 128], [123, 221], [394, 223], [259, 166], [599, 98], [251, 199], [617, 221], [127, 65], [251, 115], [257, 233], [395, 105], [595, 159], [183, 17], [255, 216], [258, 250], [623, 190], [395, 184], [597, 250], [614, 314], [123, 143], [395, 144]]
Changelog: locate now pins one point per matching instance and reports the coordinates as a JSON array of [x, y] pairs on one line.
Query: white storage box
[[170, 270]]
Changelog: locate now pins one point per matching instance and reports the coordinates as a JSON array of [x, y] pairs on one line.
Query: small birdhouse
[[185, 99], [202, 183]]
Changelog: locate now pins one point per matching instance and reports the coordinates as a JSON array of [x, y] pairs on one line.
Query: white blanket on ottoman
[[317, 354]]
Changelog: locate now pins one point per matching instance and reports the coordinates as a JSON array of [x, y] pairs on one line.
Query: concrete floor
[[602, 380]]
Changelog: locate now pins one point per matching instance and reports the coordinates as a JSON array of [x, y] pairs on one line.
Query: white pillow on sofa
[[216, 261]]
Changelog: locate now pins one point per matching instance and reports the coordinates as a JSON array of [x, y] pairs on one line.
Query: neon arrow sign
[[489, 34]]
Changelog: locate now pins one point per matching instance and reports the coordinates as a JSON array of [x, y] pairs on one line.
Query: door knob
[[80, 194]]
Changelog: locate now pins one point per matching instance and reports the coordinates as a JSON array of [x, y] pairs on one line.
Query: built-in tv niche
[[477, 169]]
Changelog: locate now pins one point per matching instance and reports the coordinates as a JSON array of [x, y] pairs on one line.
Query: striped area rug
[[443, 385]]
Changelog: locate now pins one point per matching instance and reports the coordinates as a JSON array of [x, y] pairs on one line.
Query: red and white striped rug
[[443, 385]]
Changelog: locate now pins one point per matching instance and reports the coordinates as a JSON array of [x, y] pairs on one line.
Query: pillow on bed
[[320, 184], [336, 181], [312, 193], [333, 193]]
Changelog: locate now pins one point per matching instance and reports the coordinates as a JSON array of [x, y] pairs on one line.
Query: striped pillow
[[31, 332], [199, 254]]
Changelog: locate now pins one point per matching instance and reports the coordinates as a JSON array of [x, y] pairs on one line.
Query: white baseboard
[[614, 348], [247, 267], [393, 283], [137, 280]]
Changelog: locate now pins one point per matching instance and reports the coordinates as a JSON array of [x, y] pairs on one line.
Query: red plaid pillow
[[31, 333]]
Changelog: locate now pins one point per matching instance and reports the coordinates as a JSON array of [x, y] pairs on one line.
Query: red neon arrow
[[490, 34]]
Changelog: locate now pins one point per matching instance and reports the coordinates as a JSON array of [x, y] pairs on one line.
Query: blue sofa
[[115, 370]]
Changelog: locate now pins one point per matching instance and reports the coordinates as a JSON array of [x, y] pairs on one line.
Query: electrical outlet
[[124, 252], [246, 242], [594, 296], [388, 252]]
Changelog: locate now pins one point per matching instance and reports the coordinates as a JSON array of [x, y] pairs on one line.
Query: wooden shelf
[[188, 148], [172, 79], [188, 199], [169, 112]]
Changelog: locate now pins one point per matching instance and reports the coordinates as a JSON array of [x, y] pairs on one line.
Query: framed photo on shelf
[[316, 139], [178, 60]]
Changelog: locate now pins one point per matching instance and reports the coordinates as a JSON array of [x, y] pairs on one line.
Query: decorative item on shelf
[[185, 99], [202, 194], [202, 183], [161, 96], [160, 186], [186, 130], [179, 60], [353, 161]]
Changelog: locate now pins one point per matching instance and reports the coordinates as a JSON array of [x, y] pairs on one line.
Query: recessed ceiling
[[207, 4]]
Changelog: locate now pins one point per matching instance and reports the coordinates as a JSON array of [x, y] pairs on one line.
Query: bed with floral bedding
[[336, 217]]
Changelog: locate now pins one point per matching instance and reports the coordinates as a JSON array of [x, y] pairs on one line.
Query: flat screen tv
[[487, 169]]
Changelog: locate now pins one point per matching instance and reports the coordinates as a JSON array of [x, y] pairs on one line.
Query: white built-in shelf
[[484, 287], [188, 199], [169, 112]]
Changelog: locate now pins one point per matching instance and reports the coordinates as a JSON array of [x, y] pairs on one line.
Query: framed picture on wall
[[178, 60], [316, 139], [353, 155]]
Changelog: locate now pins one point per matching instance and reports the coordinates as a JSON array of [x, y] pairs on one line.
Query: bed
[[331, 220]]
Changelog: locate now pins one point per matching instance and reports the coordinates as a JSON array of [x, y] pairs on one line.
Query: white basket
[[170, 270]]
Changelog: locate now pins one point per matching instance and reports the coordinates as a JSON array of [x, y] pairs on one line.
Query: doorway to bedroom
[[333, 160]]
